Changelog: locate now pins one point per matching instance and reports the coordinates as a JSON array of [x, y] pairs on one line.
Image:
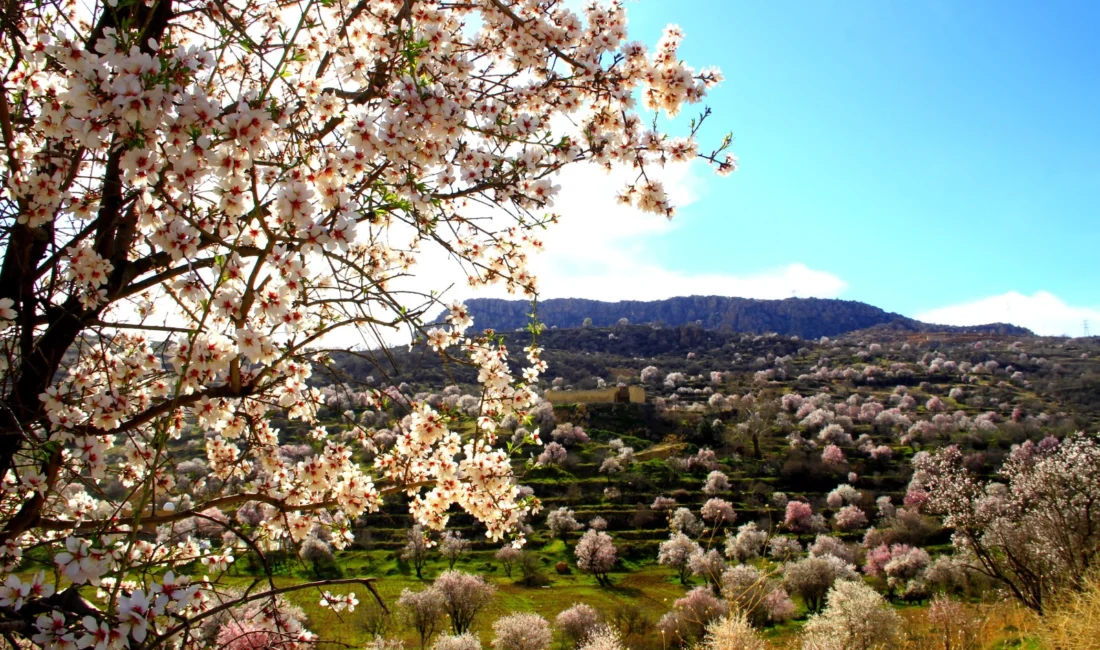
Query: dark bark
[[61, 325]]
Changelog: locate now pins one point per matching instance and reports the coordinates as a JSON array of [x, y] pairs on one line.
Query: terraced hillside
[[832, 424], [677, 421]]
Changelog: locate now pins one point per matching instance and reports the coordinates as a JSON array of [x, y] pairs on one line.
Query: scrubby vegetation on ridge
[[805, 317]]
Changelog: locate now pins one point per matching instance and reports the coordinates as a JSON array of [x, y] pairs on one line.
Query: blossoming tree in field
[[596, 554], [198, 198], [675, 552], [1034, 529]]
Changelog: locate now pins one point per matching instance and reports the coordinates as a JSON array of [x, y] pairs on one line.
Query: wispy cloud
[[1042, 312]]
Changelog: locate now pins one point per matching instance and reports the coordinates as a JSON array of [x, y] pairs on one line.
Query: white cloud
[[600, 249], [1042, 312]]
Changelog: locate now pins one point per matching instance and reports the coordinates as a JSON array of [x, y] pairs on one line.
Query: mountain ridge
[[804, 317]]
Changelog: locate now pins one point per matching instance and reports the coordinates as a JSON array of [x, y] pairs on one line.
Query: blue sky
[[937, 159]]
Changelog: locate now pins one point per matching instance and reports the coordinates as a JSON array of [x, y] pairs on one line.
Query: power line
[[1087, 329]]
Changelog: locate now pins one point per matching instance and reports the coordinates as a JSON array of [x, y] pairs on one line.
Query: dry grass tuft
[[1073, 621]]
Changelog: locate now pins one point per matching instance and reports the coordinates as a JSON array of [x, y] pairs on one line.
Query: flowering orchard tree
[[684, 520], [850, 518], [453, 546], [522, 631], [415, 550], [833, 456], [812, 577], [857, 616], [798, 516], [718, 512], [604, 637], [716, 483], [783, 548], [552, 454], [1034, 530], [464, 641], [828, 545], [749, 590], [423, 611], [596, 554], [199, 196], [675, 552], [708, 565], [690, 616], [577, 623], [732, 631], [842, 495], [561, 522], [747, 544], [508, 556], [464, 597]]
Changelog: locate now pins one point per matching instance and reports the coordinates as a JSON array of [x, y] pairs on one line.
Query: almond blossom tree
[[856, 618], [561, 522], [716, 483], [453, 546], [748, 543], [690, 616], [200, 198], [423, 611], [812, 577], [1035, 529], [464, 597], [521, 631], [416, 548], [732, 631], [718, 512], [508, 556], [464, 641], [577, 623], [596, 554], [799, 516], [675, 552], [850, 518]]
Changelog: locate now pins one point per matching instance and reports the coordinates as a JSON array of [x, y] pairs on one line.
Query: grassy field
[[644, 590], [649, 589]]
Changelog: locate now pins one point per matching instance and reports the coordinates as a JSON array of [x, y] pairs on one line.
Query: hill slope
[[804, 317]]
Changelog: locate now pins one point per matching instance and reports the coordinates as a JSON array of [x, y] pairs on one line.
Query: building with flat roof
[[614, 395]]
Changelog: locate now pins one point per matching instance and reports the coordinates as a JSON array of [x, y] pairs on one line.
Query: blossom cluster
[[199, 200]]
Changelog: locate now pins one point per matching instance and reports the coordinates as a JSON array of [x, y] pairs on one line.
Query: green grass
[[649, 588], [652, 589]]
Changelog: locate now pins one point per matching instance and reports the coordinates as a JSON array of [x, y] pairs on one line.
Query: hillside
[[803, 317], [760, 412], [744, 423]]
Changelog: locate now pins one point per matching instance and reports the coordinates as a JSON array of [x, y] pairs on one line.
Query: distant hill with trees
[[804, 317]]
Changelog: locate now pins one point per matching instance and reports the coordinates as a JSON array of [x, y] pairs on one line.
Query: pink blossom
[[596, 554], [798, 516], [850, 518], [833, 456]]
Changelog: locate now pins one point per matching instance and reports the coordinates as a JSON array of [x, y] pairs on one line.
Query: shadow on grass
[[625, 591]]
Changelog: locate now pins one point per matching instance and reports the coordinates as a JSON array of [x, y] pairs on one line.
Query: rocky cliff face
[[805, 317]]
